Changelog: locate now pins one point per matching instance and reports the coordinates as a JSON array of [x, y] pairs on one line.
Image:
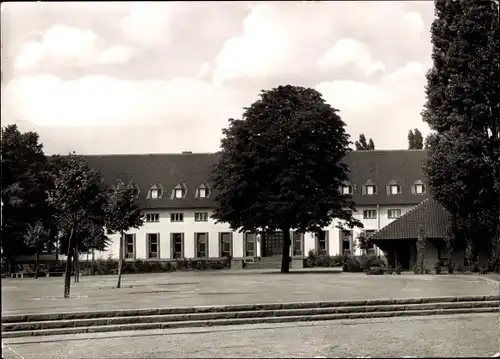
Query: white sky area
[[102, 78]]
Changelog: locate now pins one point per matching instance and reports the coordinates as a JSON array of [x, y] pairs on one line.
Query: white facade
[[164, 229]]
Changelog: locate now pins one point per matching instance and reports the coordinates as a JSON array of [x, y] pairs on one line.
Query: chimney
[[187, 152]]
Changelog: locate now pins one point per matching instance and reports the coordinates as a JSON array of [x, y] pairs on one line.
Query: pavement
[[437, 336], [181, 289]]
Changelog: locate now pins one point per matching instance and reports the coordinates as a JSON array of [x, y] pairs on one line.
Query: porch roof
[[429, 214]]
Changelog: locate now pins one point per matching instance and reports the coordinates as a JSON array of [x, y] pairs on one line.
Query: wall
[[189, 227]]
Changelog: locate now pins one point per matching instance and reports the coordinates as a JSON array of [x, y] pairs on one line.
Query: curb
[[240, 321]]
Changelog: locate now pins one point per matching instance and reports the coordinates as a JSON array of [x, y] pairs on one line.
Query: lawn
[[179, 289]]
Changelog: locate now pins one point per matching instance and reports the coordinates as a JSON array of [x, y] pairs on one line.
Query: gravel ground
[[439, 336], [181, 289]]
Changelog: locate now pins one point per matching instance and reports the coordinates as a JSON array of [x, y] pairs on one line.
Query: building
[[175, 194]]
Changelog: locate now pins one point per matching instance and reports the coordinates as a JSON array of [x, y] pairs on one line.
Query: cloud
[[115, 54], [46, 100], [148, 25], [384, 111], [59, 42], [351, 51]]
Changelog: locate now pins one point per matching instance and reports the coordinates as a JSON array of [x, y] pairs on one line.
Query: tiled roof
[[429, 214], [193, 169]]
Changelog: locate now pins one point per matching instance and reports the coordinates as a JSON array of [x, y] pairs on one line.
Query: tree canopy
[[362, 145], [415, 140], [463, 108], [25, 179], [280, 166]]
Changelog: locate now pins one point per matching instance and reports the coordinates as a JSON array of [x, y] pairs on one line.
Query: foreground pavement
[[181, 289], [467, 335]]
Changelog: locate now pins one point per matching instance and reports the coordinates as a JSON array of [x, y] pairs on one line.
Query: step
[[54, 324], [241, 321], [15, 318]]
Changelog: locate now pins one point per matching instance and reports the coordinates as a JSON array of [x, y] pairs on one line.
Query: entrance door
[[273, 243]]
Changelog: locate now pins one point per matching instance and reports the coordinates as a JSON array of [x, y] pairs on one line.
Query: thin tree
[[37, 238], [122, 214], [362, 145], [78, 194], [280, 167], [415, 140]]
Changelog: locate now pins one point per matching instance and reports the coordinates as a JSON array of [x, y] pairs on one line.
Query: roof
[[194, 169], [429, 214]]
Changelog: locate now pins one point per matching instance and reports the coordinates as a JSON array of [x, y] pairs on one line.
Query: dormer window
[[394, 188], [370, 189], [346, 189], [202, 191], [179, 191], [418, 187], [155, 192]]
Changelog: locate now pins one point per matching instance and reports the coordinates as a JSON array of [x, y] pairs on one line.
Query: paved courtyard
[[436, 336], [181, 289]]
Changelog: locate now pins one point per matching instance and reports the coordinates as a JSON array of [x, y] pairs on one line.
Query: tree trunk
[[37, 264], [77, 264], [67, 274], [120, 262], [285, 261], [93, 262]]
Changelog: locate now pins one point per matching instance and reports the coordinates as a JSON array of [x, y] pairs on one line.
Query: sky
[[165, 77]]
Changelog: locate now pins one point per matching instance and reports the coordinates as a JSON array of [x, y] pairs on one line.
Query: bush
[[351, 264], [427, 271], [483, 270], [314, 260], [368, 261], [399, 268], [377, 270], [390, 270], [451, 267], [437, 266], [460, 269]]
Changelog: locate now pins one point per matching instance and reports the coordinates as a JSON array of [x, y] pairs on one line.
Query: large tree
[[78, 197], [280, 166], [362, 145], [122, 213], [415, 140], [25, 180], [463, 108]]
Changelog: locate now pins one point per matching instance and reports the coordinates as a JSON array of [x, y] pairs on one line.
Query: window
[[176, 217], [322, 242], [370, 214], [201, 216], [225, 245], [393, 213], [130, 246], [395, 189], [152, 217], [177, 245], [202, 192], [250, 245], [154, 193], [346, 241], [297, 242], [346, 190], [370, 190], [153, 243], [201, 245], [179, 193], [418, 187]]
